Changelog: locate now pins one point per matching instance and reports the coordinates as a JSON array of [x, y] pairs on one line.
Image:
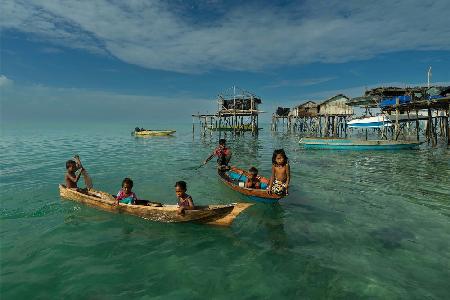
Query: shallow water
[[366, 225]]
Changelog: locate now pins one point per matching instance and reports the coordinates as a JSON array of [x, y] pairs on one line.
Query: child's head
[[127, 185], [71, 165], [253, 171], [180, 188], [222, 142], [279, 157]]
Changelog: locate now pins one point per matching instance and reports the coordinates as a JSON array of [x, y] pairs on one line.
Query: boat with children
[[235, 179], [148, 132], [222, 215], [350, 144]]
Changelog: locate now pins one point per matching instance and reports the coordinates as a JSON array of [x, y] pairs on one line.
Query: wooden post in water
[[435, 135], [334, 126], [447, 126], [417, 124], [397, 128], [430, 127]]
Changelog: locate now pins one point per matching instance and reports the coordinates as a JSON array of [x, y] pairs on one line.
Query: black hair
[[222, 141], [127, 180], [276, 152], [253, 170], [69, 163], [181, 184]]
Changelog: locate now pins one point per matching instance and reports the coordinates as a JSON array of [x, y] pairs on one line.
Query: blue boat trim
[[371, 124], [347, 144]]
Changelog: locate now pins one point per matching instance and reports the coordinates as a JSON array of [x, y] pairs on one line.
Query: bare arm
[[191, 203], [190, 207], [288, 177], [271, 179], [75, 178], [247, 183], [288, 174]]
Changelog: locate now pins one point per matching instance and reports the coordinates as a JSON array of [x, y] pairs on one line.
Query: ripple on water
[[355, 225]]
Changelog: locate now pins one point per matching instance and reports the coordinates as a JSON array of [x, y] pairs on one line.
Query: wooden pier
[[412, 111], [327, 119], [426, 110], [237, 112]]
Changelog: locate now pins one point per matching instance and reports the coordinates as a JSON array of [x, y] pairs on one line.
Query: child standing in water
[[279, 181], [71, 178], [223, 155], [185, 201], [125, 195]]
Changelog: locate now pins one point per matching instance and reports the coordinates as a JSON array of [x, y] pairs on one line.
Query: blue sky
[[139, 60]]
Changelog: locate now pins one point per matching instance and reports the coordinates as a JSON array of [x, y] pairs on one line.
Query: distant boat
[[148, 132], [386, 120], [370, 122], [348, 144]]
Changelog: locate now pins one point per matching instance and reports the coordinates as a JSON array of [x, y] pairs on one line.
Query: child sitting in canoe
[[71, 178], [185, 201], [125, 195], [253, 181], [223, 155], [279, 181]]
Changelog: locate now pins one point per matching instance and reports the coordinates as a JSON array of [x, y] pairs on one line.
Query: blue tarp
[[392, 101]]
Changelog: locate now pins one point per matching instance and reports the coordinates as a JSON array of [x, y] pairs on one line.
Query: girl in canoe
[[223, 155], [281, 173], [125, 195], [185, 201]]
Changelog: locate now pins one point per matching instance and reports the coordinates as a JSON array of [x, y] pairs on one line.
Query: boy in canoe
[[71, 178], [223, 155], [185, 201], [253, 181]]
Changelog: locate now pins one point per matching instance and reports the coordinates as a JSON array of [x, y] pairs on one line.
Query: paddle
[[193, 168], [87, 179]]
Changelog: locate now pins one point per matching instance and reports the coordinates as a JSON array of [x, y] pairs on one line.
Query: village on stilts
[[384, 118]]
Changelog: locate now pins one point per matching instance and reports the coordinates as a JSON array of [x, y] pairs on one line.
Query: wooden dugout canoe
[[153, 132], [222, 215], [234, 176]]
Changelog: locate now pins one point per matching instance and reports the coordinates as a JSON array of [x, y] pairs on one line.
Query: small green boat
[[148, 132]]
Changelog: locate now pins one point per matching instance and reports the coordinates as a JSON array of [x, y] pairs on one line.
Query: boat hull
[[347, 144], [235, 175], [370, 122], [154, 132], [210, 214]]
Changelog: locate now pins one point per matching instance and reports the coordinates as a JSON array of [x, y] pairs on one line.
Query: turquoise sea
[[356, 225]]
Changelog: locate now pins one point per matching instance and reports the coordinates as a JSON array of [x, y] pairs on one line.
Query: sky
[[107, 60]]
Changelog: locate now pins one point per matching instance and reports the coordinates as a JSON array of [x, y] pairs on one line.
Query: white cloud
[[300, 82], [153, 35], [4, 81]]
